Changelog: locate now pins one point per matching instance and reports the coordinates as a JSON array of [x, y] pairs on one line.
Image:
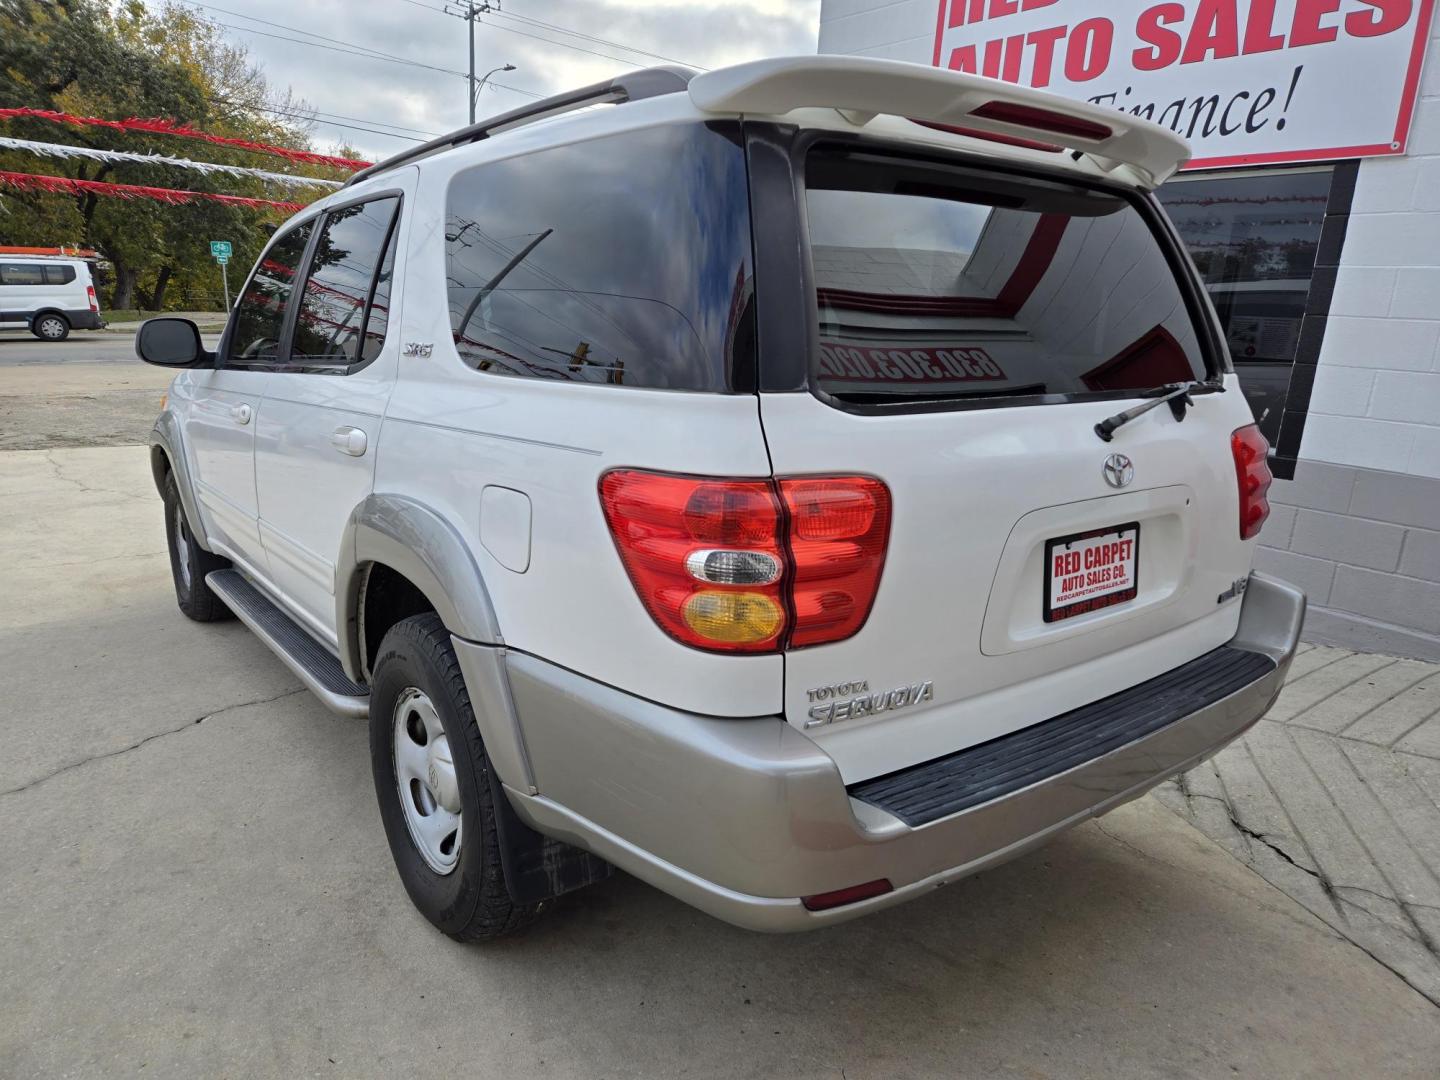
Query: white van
[[47, 296]]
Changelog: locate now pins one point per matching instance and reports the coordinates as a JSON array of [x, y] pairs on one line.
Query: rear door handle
[[241, 414], [349, 440]]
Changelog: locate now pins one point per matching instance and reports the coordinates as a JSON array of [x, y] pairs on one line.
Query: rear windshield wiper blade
[[1176, 395]]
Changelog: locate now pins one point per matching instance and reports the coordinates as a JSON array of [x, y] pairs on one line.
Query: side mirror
[[172, 343]]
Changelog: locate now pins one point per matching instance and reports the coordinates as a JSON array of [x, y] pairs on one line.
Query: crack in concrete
[[1331, 890], [90, 489], [148, 738], [1313, 923]]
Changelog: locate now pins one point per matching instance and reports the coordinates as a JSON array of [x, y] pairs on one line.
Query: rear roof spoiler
[[862, 87]]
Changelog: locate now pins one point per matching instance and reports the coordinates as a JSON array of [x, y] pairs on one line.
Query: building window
[[1255, 238]]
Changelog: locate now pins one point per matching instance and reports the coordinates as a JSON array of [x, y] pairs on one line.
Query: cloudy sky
[[367, 91]]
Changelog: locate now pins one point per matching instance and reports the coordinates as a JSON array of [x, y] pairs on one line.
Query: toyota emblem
[[1118, 470]]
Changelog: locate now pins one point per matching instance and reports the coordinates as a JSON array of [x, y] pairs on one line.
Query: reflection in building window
[[1254, 238]]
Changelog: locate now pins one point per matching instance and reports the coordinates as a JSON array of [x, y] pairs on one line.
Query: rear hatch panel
[[968, 335]]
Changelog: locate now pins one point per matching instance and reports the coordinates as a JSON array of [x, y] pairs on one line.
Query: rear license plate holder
[[1101, 569]]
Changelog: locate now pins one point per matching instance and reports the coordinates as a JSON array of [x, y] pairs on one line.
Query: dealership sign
[[1245, 81]]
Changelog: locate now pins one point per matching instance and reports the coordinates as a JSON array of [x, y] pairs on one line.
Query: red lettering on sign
[[1387, 17], [1306, 28], [1043, 43], [1087, 52], [1216, 32], [1260, 33], [1164, 44]]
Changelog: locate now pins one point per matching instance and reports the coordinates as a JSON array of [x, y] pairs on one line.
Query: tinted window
[[1254, 239], [22, 274], [939, 282], [331, 323], [623, 260], [378, 320], [59, 275], [260, 314]]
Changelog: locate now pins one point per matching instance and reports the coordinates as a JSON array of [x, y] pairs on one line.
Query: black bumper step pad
[[935, 789]]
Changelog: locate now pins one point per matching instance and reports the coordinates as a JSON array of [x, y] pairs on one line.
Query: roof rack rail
[[633, 86]]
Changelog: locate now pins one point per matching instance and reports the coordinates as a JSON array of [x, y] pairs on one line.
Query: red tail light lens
[[1252, 471], [94, 303], [839, 529], [750, 565]]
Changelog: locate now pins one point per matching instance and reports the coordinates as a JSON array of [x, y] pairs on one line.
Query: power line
[[369, 55], [377, 123], [562, 44], [336, 123], [566, 44], [310, 34], [599, 40]]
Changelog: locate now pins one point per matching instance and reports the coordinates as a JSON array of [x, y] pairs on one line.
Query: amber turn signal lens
[[733, 618]]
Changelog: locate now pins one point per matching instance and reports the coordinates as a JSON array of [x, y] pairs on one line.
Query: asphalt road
[[18, 348]]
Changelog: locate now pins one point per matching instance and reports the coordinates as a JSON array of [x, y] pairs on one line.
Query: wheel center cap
[[440, 774]]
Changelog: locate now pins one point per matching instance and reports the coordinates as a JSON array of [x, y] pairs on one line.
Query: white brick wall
[[1376, 401]]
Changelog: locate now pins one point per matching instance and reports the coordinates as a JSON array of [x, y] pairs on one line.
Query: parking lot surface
[[194, 881]]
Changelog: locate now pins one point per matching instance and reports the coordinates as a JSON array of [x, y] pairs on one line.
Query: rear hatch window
[[943, 283]]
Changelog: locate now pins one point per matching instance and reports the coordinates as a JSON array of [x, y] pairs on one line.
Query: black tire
[[189, 563], [469, 902], [51, 326]]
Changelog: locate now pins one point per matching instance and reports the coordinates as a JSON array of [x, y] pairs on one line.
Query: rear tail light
[[94, 303], [1252, 471], [751, 565]]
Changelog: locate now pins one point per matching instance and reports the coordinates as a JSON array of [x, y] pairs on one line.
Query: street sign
[[220, 251]]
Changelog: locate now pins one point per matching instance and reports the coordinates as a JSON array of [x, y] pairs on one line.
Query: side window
[[341, 289], [59, 275], [22, 274], [623, 260], [260, 314]]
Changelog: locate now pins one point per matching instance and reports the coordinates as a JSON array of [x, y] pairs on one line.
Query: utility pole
[[471, 11]]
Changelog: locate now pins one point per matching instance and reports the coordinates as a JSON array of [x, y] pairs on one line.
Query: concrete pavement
[[1335, 798], [79, 404], [194, 881]]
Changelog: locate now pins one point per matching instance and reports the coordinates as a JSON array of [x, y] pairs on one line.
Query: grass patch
[[132, 315]]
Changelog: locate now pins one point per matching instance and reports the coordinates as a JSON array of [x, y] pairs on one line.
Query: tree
[[82, 57]]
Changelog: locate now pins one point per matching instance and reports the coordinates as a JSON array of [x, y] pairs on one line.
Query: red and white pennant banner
[[60, 150], [157, 126], [69, 186]]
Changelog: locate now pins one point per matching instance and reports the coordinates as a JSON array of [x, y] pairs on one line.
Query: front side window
[[331, 327], [259, 318], [939, 283], [622, 260], [22, 274]]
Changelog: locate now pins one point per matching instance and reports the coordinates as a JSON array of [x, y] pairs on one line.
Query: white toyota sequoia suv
[[799, 485]]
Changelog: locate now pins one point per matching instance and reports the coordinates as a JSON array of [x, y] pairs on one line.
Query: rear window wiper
[[1176, 395]]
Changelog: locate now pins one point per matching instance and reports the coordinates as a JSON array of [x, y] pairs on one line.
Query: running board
[[311, 662]]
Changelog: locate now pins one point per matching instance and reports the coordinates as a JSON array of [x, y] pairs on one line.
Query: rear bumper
[[742, 818], [84, 319]]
